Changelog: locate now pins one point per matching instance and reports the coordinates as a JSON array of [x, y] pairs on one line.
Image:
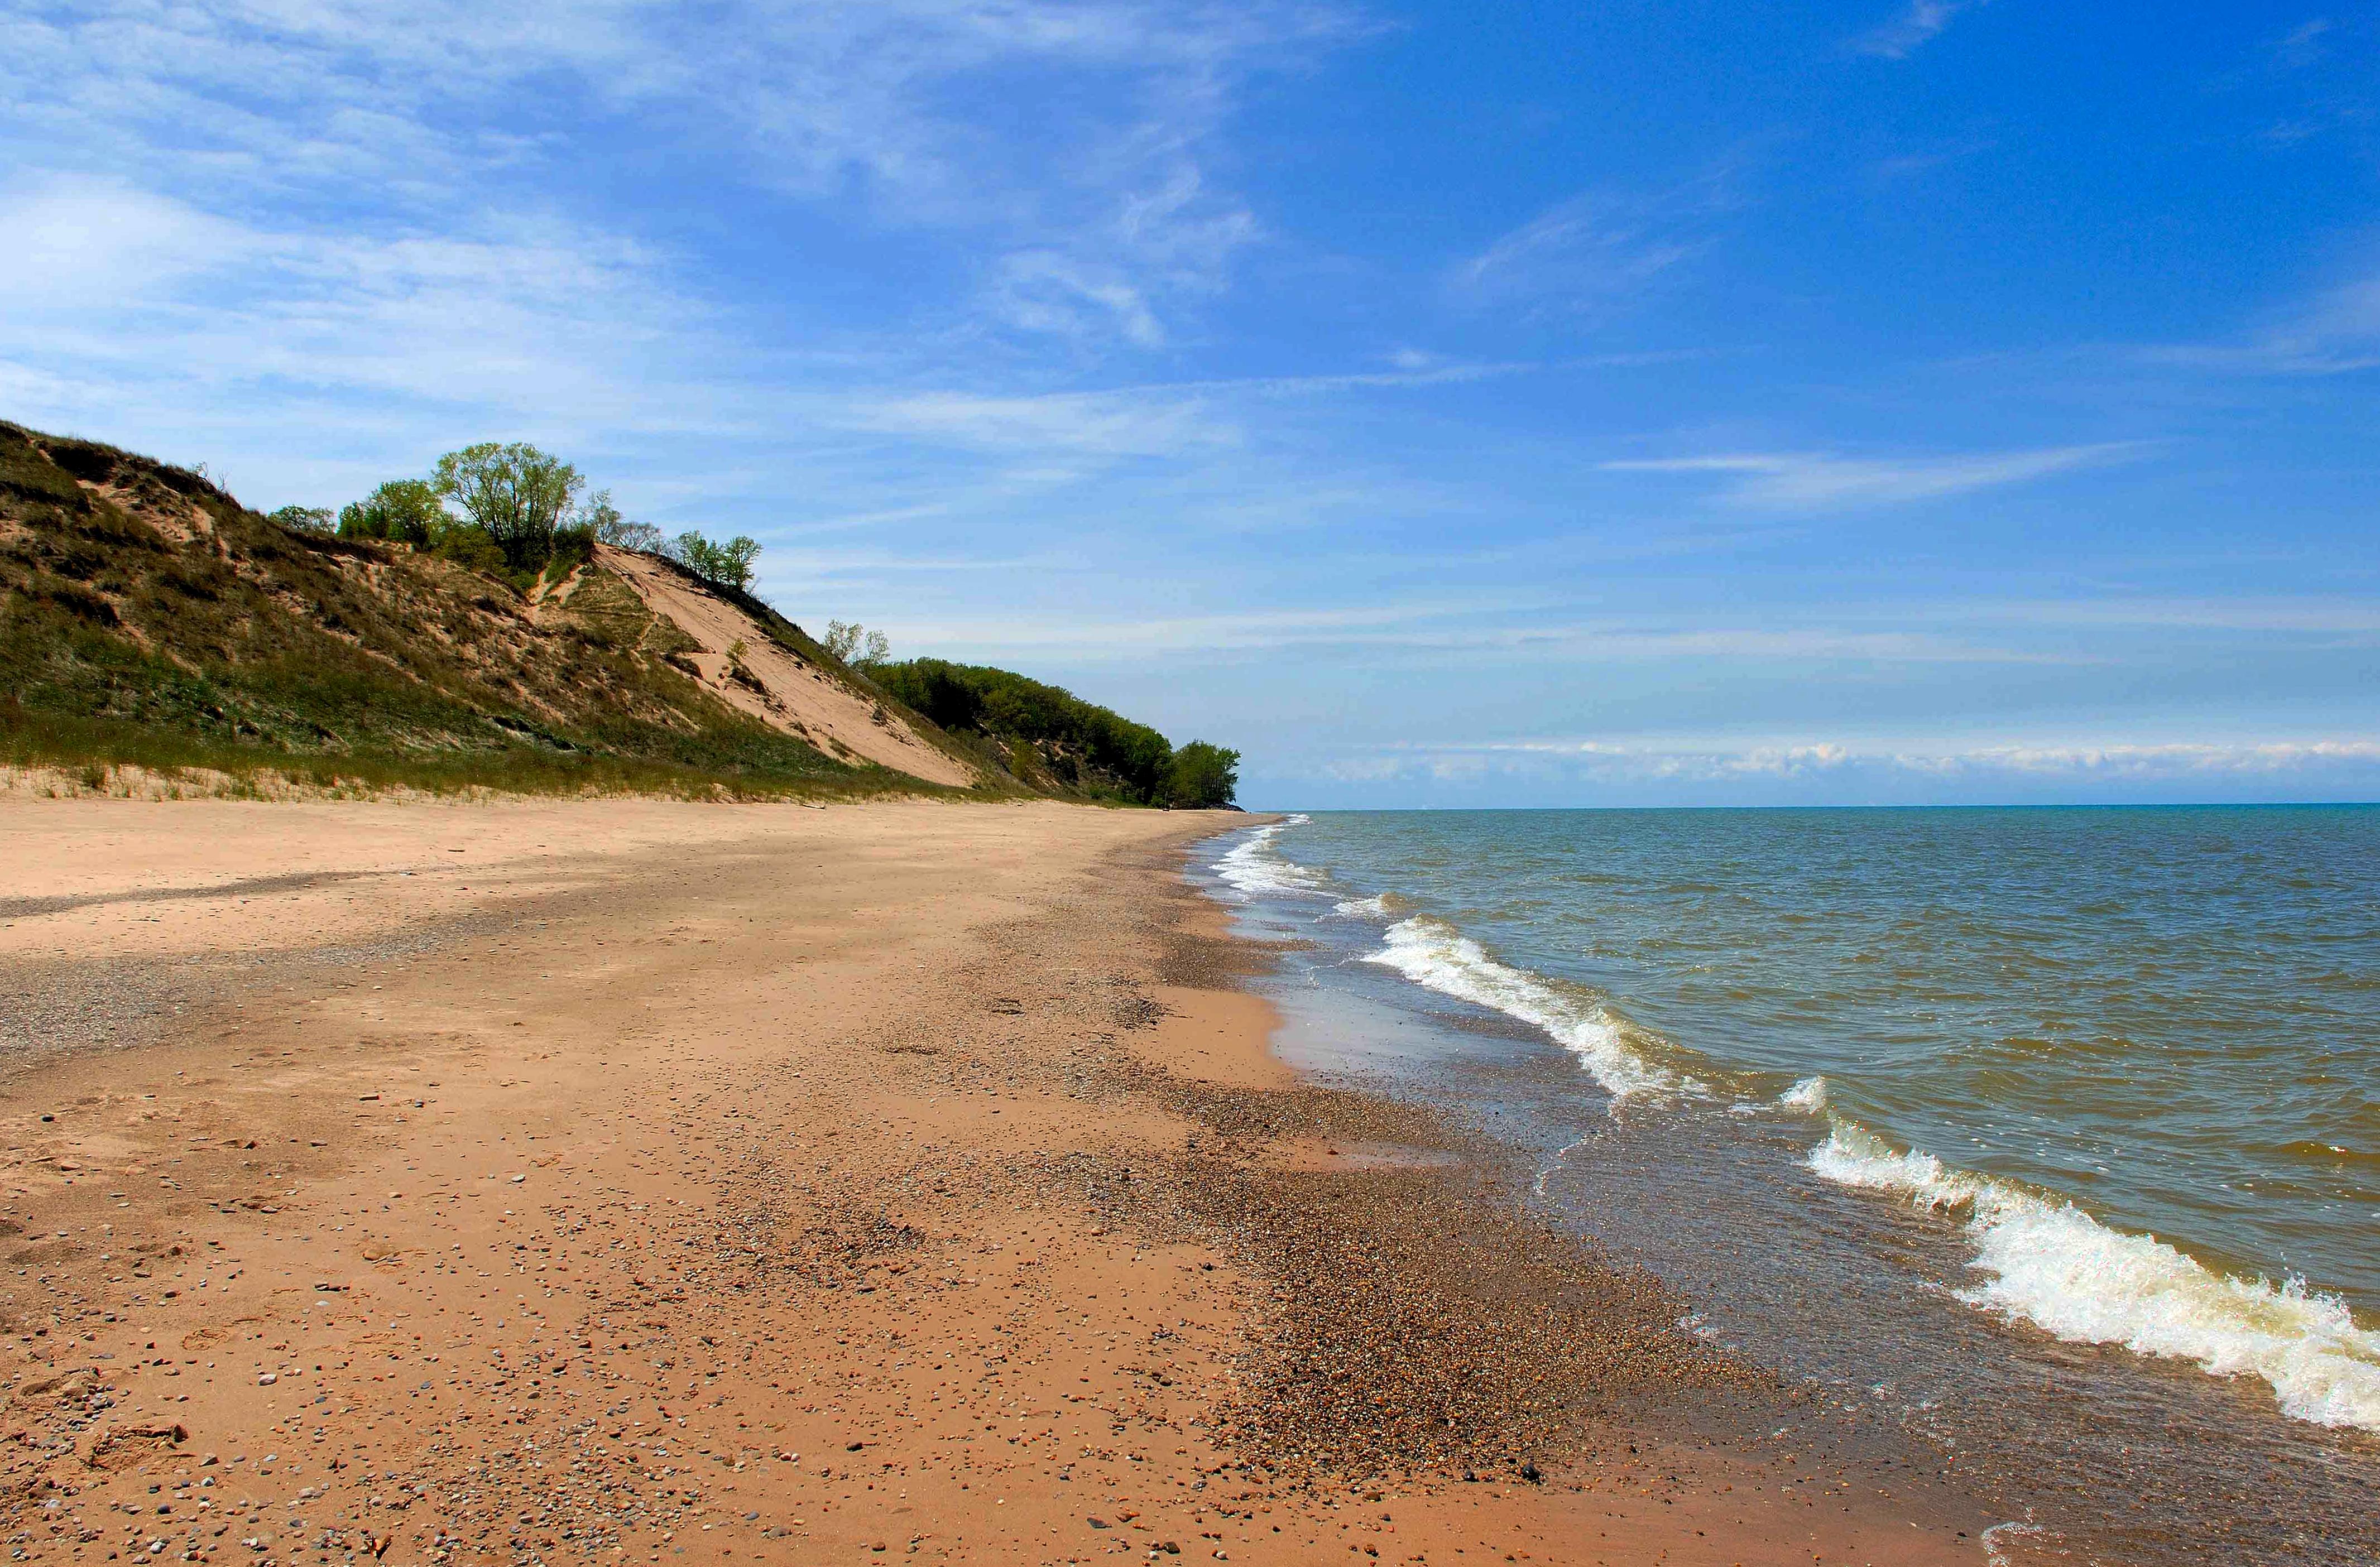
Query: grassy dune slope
[[147, 618]]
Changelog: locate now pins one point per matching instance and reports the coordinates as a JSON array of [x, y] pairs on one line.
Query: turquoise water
[[2129, 1057]]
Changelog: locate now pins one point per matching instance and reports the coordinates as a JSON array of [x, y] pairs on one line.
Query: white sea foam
[[1253, 866], [2055, 1266], [1808, 1096], [1379, 905], [1433, 953], [1995, 1551]]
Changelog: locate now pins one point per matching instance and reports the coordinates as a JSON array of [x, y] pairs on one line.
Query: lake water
[[2053, 1136]]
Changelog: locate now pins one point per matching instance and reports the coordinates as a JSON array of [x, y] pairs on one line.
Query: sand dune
[[777, 686]]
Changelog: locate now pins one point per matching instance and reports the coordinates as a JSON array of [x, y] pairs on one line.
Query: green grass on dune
[[89, 748], [156, 623]]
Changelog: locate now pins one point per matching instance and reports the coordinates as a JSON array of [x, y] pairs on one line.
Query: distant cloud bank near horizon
[[1920, 401]]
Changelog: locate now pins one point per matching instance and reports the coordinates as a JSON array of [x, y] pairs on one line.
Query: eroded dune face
[[776, 685]]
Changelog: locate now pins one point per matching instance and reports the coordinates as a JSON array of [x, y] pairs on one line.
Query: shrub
[[469, 545], [572, 546], [402, 511], [305, 519]]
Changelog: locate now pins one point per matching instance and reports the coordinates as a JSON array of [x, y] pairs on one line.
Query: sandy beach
[[640, 1181]]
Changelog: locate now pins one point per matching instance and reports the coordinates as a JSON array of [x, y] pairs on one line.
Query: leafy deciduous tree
[[514, 492], [856, 645], [728, 564], [1202, 776], [404, 511]]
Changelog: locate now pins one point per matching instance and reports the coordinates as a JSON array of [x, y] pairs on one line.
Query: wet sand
[[640, 1181]]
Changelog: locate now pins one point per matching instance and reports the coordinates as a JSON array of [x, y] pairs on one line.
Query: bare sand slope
[[780, 688], [631, 1181]]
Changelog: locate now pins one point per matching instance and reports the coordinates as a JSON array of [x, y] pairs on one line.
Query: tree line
[[511, 510], [1145, 766]]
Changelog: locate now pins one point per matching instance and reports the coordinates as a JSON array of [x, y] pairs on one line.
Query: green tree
[[728, 564], [611, 528], [856, 645], [1009, 707], [402, 511], [596, 514], [1202, 776], [514, 493], [304, 520], [626, 535]]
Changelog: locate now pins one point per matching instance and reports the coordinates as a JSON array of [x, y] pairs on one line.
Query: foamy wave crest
[[1433, 953], [2056, 1266], [1253, 866], [1808, 1096], [1381, 905]]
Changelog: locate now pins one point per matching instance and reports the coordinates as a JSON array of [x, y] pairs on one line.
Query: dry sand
[[745, 667], [632, 1181]]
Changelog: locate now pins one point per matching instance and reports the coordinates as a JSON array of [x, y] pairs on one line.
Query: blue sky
[[1529, 404]]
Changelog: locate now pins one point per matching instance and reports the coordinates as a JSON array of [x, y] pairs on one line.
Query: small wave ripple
[[2056, 1266], [1435, 955]]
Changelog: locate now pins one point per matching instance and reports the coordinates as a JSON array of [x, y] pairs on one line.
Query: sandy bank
[[640, 1181]]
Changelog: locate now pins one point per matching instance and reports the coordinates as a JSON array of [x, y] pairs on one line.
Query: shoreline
[[567, 1166]]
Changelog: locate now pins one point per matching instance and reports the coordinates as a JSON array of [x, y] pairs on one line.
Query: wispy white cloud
[[77, 246], [1139, 423], [1923, 21], [2213, 764], [1069, 139], [129, 293], [1907, 165], [1040, 291], [1246, 631], [1596, 250], [2302, 44], [2309, 616], [1488, 629], [2335, 332], [1811, 481], [1156, 420]]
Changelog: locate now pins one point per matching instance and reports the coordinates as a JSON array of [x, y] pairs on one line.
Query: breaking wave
[[1253, 866], [2055, 1266], [1435, 955]]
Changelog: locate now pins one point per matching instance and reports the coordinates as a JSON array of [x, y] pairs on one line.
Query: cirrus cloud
[[1805, 480]]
